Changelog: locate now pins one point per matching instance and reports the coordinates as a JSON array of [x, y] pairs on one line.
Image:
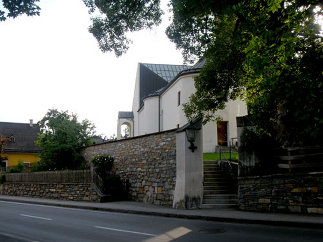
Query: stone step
[[217, 191], [220, 200], [217, 187], [211, 166], [215, 169], [217, 183], [219, 206], [216, 178], [225, 195], [220, 173], [210, 161], [212, 175]]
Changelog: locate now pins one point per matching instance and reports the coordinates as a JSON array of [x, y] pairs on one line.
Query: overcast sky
[[52, 61]]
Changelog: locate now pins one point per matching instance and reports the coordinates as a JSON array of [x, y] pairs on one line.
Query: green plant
[[35, 167], [103, 165], [61, 138], [19, 168], [2, 179]]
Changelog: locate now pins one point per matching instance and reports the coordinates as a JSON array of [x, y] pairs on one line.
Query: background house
[[21, 146], [159, 95]]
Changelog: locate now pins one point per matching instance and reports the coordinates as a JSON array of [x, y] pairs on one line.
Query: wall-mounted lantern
[[190, 131]]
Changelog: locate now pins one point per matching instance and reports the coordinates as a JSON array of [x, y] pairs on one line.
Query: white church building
[[159, 95]]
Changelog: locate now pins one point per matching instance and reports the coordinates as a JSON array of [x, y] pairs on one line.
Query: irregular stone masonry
[[299, 193], [63, 191], [148, 162]]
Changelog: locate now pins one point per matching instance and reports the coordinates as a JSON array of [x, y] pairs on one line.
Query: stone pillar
[[189, 170]]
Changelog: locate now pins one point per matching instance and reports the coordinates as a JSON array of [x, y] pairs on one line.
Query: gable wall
[[135, 103], [173, 115], [149, 121]]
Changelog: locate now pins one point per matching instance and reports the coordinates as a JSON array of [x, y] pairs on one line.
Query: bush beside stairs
[[219, 187]]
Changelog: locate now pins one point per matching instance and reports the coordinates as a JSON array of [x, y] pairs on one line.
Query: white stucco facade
[[163, 110]]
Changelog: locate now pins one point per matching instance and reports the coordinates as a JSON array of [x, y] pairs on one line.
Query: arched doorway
[[126, 130]]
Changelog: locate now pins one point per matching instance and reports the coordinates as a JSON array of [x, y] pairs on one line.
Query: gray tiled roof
[[156, 78], [125, 114], [24, 137], [167, 72]]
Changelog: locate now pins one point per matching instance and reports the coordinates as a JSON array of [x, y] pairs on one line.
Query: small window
[[178, 98]]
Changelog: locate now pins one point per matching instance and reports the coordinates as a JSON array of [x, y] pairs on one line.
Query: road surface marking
[[75, 209], [170, 235], [125, 231], [30, 216]]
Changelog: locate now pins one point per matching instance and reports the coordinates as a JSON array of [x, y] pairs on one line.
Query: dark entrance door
[[222, 129]]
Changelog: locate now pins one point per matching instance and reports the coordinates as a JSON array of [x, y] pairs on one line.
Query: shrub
[[103, 165], [2, 179], [19, 168]]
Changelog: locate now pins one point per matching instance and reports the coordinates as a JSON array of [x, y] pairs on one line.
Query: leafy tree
[[3, 143], [61, 138], [14, 8], [268, 53], [119, 17]]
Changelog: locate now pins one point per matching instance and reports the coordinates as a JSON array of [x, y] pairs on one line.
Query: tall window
[[179, 98]]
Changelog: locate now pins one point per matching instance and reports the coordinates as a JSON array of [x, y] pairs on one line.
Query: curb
[[275, 223]]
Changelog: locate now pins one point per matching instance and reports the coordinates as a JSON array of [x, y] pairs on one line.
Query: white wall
[[128, 122], [210, 138], [135, 102], [173, 114], [149, 121]]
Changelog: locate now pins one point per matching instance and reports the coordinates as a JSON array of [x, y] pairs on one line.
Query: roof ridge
[[145, 63], [16, 123]]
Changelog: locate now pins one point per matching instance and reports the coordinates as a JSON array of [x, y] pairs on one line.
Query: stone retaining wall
[[148, 162], [298, 193], [64, 191]]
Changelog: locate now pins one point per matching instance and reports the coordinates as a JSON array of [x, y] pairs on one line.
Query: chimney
[[31, 123]]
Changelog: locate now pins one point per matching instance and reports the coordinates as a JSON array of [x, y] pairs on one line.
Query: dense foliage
[[267, 52], [119, 17], [103, 165], [61, 138], [14, 8]]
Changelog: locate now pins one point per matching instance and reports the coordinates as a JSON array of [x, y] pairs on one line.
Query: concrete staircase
[[219, 187]]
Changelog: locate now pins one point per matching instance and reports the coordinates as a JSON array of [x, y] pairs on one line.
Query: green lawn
[[216, 156]]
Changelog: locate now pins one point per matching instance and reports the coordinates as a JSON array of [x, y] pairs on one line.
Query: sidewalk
[[220, 215]]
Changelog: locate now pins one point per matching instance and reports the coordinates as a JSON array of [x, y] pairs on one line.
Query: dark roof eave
[[22, 151]]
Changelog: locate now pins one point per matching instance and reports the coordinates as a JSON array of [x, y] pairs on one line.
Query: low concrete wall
[[297, 193], [64, 191], [148, 162]]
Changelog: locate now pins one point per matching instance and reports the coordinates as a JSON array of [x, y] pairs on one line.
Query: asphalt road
[[30, 222]]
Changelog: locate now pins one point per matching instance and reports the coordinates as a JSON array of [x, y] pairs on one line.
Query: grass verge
[[217, 156]]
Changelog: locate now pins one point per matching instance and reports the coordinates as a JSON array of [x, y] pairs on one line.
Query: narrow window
[[178, 98]]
